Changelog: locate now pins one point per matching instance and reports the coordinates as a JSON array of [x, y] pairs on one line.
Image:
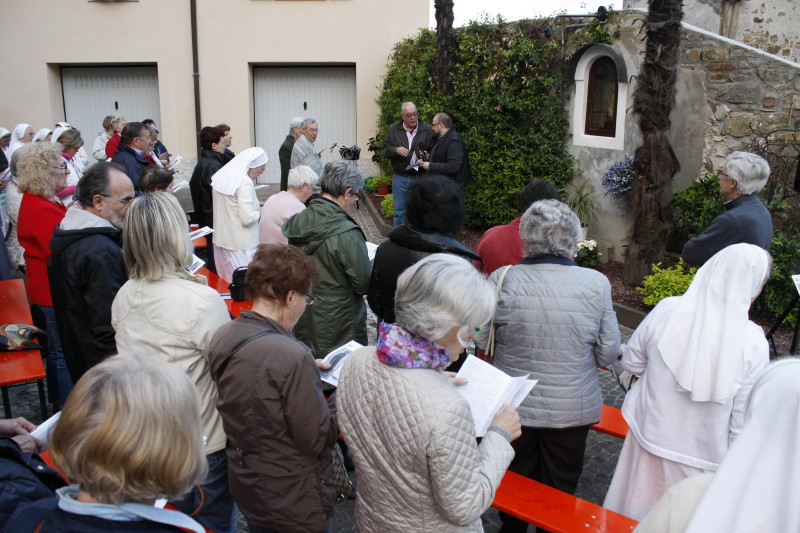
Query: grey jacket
[[413, 442], [555, 321]]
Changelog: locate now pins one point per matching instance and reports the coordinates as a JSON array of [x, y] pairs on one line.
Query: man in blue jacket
[[134, 143], [745, 219]]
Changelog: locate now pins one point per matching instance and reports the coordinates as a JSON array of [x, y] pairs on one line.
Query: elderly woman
[[43, 173], [22, 134], [301, 184], [410, 432], [756, 486], [745, 219], [236, 211], [13, 200], [71, 141], [165, 313], [554, 321], [434, 214], [113, 142], [325, 231], [698, 356], [280, 430], [129, 435], [155, 179], [99, 146]]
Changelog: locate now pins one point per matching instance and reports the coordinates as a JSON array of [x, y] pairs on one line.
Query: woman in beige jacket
[[162, 311]]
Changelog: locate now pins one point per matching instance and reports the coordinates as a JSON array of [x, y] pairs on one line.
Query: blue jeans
[[59, 383], [218, 511], [400, 186]]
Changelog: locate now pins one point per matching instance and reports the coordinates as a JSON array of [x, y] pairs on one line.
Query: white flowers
[[589, 244]]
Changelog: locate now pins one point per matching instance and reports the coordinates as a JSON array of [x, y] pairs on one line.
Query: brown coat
[[280, 430]]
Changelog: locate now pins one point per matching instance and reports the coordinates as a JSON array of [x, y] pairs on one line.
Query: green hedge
[[506, 105]]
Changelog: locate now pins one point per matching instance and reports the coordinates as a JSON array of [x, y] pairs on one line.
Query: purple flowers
[[619, 178]]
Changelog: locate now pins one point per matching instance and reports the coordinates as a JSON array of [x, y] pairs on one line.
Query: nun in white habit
[[236, 211], [757, 486], [698, 356], [22, 134]]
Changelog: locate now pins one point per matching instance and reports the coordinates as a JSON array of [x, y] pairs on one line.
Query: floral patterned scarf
[[403, 349]]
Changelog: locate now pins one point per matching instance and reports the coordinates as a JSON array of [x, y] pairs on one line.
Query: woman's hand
[[321, 365], [454, 380], [507, 419]]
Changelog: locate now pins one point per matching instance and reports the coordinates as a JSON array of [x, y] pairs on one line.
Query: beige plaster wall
[[233, 36]]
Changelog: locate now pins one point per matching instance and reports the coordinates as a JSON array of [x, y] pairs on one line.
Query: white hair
[[549, 227], [750, 171], [302, 174], [295, 123], [440, 292]]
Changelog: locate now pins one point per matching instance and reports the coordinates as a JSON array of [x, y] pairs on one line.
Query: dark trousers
[[551, 456]]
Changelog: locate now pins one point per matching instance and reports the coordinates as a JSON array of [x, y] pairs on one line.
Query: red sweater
[[112, 145], [500, 246], [38, 219]]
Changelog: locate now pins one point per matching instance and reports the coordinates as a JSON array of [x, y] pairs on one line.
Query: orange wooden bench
[[554, 510], [21, 366], [611, 422]]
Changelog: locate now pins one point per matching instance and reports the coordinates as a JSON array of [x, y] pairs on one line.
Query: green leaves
[[666, 282]]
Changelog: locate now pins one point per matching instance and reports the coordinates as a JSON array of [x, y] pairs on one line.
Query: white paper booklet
[[180, 185], [205, 230], [372, 249], [488, 388], [42, 432], [336, 359], [196, 264], [796, 279]]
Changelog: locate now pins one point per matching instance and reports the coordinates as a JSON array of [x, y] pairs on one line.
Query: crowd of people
[[164, 396]]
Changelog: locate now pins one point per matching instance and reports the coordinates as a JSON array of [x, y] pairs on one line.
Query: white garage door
[[91, 93], [327, 94]]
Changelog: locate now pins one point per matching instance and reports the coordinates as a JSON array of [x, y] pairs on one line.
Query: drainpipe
[[195, 75]]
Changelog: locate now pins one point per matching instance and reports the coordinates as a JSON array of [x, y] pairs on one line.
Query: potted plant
[[383, 185], [619, 179], [582, 199]]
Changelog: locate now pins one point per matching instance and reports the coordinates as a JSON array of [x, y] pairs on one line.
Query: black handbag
[[236, 287]]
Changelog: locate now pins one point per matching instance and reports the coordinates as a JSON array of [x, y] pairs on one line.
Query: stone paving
[[601, 450]]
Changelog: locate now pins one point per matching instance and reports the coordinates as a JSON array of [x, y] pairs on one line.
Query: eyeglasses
[[62, 167], [435, 123], [310, 298], [352, 194], [126, 200], [409, 115]]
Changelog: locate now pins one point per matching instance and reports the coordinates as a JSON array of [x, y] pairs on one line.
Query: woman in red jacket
[[42, 174]]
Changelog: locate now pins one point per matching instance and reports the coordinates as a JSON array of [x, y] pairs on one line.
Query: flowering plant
[[587, 255], [619, 178]]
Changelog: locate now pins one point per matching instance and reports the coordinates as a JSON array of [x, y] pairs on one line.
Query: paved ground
[[601, 452]]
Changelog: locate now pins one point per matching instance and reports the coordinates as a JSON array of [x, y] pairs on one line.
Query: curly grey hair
[[442, 291], [750, 171], [338, 176], [549, 227], [302, 174]]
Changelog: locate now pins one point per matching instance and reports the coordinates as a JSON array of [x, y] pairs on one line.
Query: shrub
[[697, 205], [665, 282], [780, 288], [387, 206], [588, 255], [506, 104]]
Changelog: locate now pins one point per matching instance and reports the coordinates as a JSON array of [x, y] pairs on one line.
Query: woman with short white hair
[[554, 321], [236, 211], [410, 432], [301, 184]]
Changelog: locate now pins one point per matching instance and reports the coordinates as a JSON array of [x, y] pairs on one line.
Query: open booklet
[[336, 359], [488, 388]]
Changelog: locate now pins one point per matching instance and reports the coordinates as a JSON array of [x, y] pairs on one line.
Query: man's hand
[[423, 164], [402, 151], [28, 443], [19, 429]]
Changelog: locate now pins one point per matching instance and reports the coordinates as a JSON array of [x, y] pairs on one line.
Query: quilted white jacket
[[413, 442]]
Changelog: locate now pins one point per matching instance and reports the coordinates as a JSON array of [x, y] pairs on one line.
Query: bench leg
[[42, 399], [6, 402]]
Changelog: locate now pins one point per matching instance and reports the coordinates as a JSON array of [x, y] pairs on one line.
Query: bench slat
[[554, 510], [612, 422]]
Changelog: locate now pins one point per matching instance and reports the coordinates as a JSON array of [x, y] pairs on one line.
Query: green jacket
[[336, 241]]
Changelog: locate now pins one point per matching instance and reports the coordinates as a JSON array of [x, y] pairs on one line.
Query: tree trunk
[[654, 161], [444, 42]]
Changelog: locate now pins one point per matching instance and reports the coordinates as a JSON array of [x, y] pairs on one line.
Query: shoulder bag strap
[[490, 345], [238, 346]]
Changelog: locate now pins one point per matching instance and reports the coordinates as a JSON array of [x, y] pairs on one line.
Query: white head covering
[[4, 132], [57, 133], [704, 337], [65, 125], [41, 134], [229, 178], [757, 486], [16, 135]]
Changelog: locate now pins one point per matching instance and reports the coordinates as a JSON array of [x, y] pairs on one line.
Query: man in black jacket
[[406, 142], [86, 268], [285, 151], [212, 158], [449, 154], [134, 143]]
